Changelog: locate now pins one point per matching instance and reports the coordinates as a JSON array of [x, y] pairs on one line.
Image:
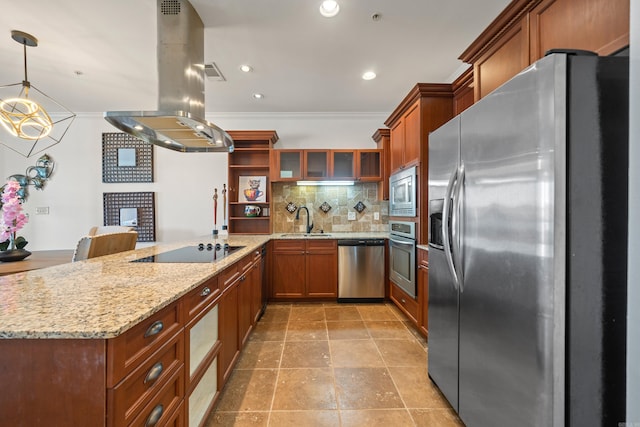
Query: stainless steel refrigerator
[[528, 248]]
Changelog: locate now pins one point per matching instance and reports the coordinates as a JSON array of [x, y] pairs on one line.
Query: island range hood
[[179, 123]]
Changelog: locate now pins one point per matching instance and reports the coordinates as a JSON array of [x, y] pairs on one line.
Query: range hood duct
[[179, 123]]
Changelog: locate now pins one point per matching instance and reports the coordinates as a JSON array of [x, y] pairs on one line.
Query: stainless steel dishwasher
[[361, 269]]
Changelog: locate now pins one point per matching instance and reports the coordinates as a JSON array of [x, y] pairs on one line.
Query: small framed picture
[[252, 189]]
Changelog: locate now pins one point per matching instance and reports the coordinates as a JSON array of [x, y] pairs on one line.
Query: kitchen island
[[108, 341]]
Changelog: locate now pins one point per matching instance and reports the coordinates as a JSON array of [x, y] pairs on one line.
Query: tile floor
[[332, 365]]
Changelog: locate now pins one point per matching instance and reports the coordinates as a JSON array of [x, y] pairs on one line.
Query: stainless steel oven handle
[[445, 229], [456, 227], [402, 243]]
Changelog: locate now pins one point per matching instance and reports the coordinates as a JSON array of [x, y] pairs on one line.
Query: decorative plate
[[359, 207], [325, 207], [291, 207]]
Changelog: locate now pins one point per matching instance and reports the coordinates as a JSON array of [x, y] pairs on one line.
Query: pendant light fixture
[[30, 121]]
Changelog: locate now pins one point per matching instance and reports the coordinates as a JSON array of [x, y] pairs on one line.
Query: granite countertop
[[101, 298], [425, 247]]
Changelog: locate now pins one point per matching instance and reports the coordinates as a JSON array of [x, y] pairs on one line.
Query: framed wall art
[[134, 210], [126, 158], [252, 189]]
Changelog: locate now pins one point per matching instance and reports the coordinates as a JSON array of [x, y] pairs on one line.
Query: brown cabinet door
[[228, 332], [245, 318], [255, 279], [343, 164], [288, 164], [287, 274], [322, 268], [412, 135], [396, 154], [322, 275], [316, 164], [369, 165]]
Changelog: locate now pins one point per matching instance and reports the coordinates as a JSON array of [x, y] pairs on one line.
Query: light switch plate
[[42, 210], [351, 216], [376, 216]]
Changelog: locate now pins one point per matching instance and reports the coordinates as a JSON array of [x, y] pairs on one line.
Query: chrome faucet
[[309, 227]]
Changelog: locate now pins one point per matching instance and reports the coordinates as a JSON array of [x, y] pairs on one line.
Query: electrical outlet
[[42, 210], [376, 216], [351, 216]]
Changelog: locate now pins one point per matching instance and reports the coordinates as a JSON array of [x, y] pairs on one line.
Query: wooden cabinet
[[404, 302], [251, 157], [304, 269], [525, 30], [228, 324], [320, 165], [463, 95], [382, 137], [287, 165], [423, 291]]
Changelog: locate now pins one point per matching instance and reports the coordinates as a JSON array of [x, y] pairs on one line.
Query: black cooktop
[[202, 253]]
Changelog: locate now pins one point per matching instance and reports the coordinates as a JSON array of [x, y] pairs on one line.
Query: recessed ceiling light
[[245, 68], [258, 95], [369, 75], [329, 8]]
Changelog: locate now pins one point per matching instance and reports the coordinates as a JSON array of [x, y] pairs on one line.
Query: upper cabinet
[[320, 165], [249, 169], [425, 108], [527, 29], [382, 137]]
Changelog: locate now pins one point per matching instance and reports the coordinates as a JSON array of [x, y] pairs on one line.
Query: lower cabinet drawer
[[164, 404], [131, 395], [405, 302]]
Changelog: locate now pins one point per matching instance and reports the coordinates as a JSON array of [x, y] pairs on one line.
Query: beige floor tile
[[435, 418], [355, 354], [304, 419], [402, 352], [335, 314], [417, 390], [264, 331], [248, 390], [366, 388], [308, 312], [237, 419], [260, 355], [307, 331], [376, 312], [305, 389], [306, 354], [276, 313], [347, 330], [388, 329], [376, 417]]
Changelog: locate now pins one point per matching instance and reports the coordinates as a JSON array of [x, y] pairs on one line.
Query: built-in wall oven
[[402, 255], [403, 193]]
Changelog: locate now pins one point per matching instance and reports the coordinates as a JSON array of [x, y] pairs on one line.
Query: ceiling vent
[[213, 72]]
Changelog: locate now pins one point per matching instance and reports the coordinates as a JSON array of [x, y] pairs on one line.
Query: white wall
[[183, 182], [633, 289]]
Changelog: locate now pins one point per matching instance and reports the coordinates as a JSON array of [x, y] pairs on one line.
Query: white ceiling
[[302, 61]]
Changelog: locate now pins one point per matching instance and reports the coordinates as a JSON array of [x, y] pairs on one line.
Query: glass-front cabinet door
[[316, 164], [369, 165], [289, 164], [343, 164]]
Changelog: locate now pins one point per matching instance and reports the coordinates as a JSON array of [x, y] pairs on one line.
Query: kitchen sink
[[310, 235]]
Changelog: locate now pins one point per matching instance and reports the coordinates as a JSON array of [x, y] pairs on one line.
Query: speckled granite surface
[[103, 297]]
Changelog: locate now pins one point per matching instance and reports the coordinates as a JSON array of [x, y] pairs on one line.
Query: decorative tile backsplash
[[341, 199]]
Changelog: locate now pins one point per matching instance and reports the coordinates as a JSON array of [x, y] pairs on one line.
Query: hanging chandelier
[[31, 120]]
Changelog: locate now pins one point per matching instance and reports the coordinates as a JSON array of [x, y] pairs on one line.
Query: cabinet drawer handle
[[154, 329], [206, 291], [403, 300], [154, 416], [153, 373]]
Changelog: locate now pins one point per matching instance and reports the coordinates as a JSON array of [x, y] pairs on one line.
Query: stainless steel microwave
[[403, 193]]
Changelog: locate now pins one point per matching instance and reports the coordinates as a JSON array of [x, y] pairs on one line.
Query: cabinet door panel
[[288, 276], [244, 308], [228, 332], [397, 146], [322, 275], [412, 136]]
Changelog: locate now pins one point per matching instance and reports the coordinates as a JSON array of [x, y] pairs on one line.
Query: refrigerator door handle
[[446, 226], [456, 231]]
